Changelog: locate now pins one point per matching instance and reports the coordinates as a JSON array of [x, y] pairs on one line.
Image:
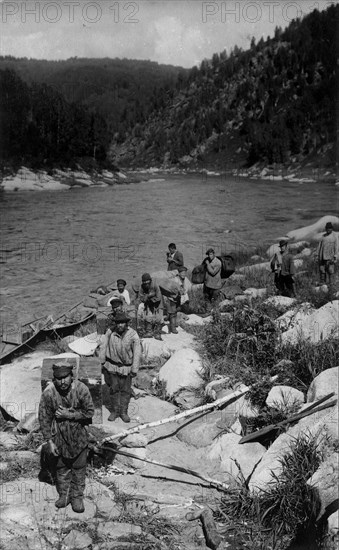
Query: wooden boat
[[17, 338], [69, 321]]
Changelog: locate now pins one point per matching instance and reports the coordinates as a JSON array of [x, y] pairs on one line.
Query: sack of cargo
[[227, 266], [198, 274], [168, 286]]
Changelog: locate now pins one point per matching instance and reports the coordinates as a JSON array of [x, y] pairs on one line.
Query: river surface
[[58, 245]]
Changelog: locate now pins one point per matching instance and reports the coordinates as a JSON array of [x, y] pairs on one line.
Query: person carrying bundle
[[212, 283], [149, 306]]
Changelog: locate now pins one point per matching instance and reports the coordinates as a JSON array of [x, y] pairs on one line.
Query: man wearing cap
[[175, 258], [120, 355], [117, 306], [149, 303], [65, 409], [282, 265], [212, 283], [327, 254], [123, 292]]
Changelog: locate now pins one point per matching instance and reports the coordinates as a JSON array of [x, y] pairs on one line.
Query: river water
[[58, 245]]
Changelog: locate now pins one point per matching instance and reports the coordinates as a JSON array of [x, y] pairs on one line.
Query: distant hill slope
[[121, 91], [273, 103]]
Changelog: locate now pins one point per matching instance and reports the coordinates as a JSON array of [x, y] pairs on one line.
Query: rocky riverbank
[[26, 179], [133, 503], [55, 180]]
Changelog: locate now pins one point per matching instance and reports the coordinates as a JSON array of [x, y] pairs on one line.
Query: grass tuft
[[273, 518]]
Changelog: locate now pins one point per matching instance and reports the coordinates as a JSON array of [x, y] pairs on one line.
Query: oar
[[306, 412]]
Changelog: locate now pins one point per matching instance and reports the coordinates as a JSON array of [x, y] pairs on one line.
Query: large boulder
[[305, 253], [228, 292], [294, 316], [153, 348], [280, 301], [187, 399], [326, 382], [227, 450], [197, 320], [320, 325], [20, 388], [325, 482], [311, 232], [76, 539], [239, 409], [182, 370], [254, 268], [293, 247], [256, 292], [316, 426], [176, 342], [270, 465], [113, 530], [143, 410], [321, 424], [333, 531], [86, 345], [284, 397], [201, 431]]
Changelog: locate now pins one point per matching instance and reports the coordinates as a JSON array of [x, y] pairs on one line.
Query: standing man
[[212, 284], [120, 355], [184, 286], [175, 258], [150, 305], [65, 408], [327, 254], [282, 265]]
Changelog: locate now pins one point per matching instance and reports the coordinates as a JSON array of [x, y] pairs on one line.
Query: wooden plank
[[87, 370], [12, 334]]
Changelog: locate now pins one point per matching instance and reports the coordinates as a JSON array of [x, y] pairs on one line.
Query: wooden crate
[[87, 370]]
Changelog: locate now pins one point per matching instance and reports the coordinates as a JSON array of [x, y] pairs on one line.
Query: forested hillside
[[40, 127], [272, 103], [96, 99]]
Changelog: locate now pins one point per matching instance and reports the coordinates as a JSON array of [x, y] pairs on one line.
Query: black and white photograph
[[169, 213]]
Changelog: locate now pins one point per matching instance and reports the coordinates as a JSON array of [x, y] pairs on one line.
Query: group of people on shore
[[66, 406], [283, 267]]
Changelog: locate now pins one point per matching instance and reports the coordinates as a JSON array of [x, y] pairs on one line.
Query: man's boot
[[115, 413], [148, 329], [124, 402], [157, 331], [78, 488], [63, 486], [172, 323]]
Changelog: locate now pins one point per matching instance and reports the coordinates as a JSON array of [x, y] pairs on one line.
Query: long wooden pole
[[212, 482], [235, 395]]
